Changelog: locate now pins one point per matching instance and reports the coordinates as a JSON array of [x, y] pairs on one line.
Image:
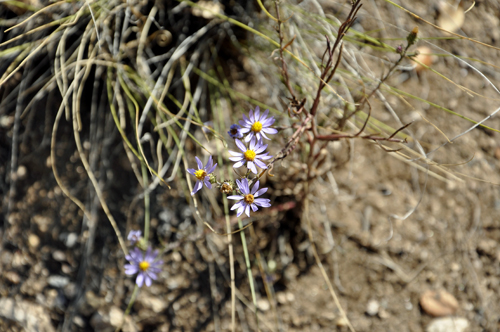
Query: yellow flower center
[[248, 199], [143, 265], [200, 174], [256, 127], [249, 155]]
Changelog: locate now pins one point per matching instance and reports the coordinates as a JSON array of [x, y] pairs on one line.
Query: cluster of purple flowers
[[251, 154], [143, 261]]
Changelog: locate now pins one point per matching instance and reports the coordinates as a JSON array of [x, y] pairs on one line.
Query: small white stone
[[71, 240], [263, 305], [59, 256], [21, 172], [372, 308], [448, 324], [33, 240], [57, 281]]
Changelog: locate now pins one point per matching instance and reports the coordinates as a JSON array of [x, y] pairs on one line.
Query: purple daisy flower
[[257, 125], [134, 236], [202, 174], [235, 131], [144, 265], [248, 198], [252, 156]]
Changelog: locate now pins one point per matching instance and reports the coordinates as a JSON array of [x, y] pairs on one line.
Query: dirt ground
[[380, 258]]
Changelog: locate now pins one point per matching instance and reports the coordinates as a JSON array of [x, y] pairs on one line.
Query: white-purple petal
[[140, 279], [249, 137], [235, 197], [239, 164], [263, 116], [254, 207], [268, 122], [240, 145], [207, 182], [244, 186], [255, 187], [260, 192], [240, 210], [211, 169], [238, 205], [236, 158], [247, 210], [263, 135], [252, 144], [251, 167], [260, 163], [260, 148], [264, 156], [256, 114], [270, 131], [264, 202], [148, 281], [197, 187], [131, 269], [191, 171], [198, 161]]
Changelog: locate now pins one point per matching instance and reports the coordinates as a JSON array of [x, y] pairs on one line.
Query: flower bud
[[412, 37], [227, 187]]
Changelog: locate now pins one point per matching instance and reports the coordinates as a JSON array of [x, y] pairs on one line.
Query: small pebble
[[372, 308], [33, 240], [383, 314], [71, 240], [281, 298], [59, 256], [448, 324], [21, 172], [438, 303], [341, 322], [58, 281], [263, 305], [13, 277]]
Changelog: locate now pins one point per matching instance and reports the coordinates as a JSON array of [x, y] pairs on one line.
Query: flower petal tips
[[144, 265], [248, 200], [202, 174], [257, 125]]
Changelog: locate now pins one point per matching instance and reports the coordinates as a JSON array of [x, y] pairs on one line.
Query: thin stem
[[249, 271], [147, 218], [129, 307]]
